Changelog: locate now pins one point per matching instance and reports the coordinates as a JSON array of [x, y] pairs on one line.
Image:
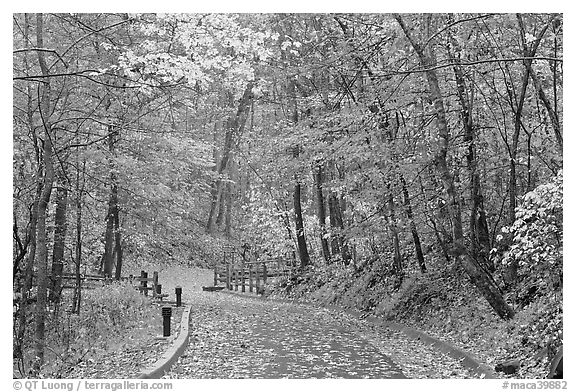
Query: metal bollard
[[166, 314], [178, 296]]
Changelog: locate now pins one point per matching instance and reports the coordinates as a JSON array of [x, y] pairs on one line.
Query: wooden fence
[[155, 287], [69, 280], [88, 281], [252, 275]]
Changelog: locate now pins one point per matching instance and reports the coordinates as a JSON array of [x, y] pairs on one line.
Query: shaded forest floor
[[241, 330], [239, 336], [246, 338], [444, 305]]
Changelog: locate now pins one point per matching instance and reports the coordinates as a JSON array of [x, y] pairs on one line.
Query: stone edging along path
[[466, 359], [161, 366]]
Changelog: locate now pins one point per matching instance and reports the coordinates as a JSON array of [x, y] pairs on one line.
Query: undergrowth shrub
[[532, 246], [112, 308], [108, 315]]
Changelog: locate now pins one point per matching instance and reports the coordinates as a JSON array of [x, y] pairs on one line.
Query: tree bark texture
[[112, 244], [41, 240], [59, 236], [30, 255], [391, 218], [77, 299], [413, 228], [299, 223], [234, 129], [321, 212], [338, 240]]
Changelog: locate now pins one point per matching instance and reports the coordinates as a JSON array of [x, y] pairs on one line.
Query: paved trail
[[255, 339], [239, 336]]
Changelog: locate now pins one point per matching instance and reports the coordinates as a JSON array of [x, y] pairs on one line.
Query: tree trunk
[[338, 241], [299, 223], [228, 214], [413, 229], [112, 213], [59, 237], [78, 259], [42, 254], [222, 198], [32, 229], [41, 241], [398, 263], [234, 128], [439, 233], [478, 249], [334, 209], [118, 240], [321, 211], [108, 257], [298, 219], [518, 108], [479, 276], [29, 266], [226, 200]]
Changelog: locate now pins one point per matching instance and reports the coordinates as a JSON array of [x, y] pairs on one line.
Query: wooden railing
[[252, 275], [143, 287], [91, 281]]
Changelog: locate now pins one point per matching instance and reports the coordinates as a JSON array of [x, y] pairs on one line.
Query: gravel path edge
[[161, 366]]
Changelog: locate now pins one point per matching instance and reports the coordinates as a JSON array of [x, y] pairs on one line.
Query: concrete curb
[[466, 359], [161, 366]]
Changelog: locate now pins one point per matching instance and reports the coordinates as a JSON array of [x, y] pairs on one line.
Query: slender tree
[[321, 211], [41, 241]]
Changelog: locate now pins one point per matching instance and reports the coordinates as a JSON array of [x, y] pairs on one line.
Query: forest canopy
[[410, 142]]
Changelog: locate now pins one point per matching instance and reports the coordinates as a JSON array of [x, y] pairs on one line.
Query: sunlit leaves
[[537, 233], [199, 48]]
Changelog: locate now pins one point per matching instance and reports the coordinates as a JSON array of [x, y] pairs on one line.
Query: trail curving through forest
[[258, 339], [243, 336]]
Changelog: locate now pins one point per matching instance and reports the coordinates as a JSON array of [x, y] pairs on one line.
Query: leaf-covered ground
[[132, 352], [243, 338], [239, 336]]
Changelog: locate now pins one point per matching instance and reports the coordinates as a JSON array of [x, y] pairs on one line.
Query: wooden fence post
[[154, 283], [264, 273], [144, 283], [250, 284], [178, 296], [228, 278], [215, 275], [235, 279], [243, 277]]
